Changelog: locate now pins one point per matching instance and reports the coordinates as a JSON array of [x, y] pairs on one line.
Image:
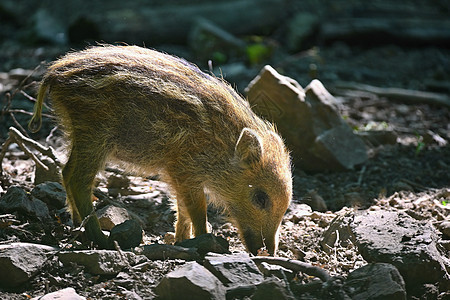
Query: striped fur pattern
[[157, 113]]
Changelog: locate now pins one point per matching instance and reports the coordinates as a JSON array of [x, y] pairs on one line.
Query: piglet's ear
[[249, 148]]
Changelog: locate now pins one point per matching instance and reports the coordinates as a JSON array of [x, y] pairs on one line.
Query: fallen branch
[[294, 265], [26, 144], [398, 94]]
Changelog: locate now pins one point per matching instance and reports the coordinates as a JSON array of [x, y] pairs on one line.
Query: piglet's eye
[[261, 199]]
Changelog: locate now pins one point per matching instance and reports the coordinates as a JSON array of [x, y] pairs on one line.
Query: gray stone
[[297, 211], [191, 281], [272, 288], [338, 231], [206, 243], [99, 262], [163, 252], [110, 216], [65, 294], [51, 193], [234, 269], [19, 261], [375, 281], [51, 173], [409, 244], [315, 201], [444, 227], [335, 143], [340, 147], [128, 234], [308, 120], [16, 199], [240, 291]]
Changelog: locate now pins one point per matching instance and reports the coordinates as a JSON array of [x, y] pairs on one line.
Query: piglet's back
[[128, 69], [144, 100]]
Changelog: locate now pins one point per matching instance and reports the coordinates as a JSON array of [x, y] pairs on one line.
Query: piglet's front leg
[[191, 212]]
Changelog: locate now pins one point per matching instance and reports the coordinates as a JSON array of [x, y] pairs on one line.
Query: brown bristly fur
[[160, 114]]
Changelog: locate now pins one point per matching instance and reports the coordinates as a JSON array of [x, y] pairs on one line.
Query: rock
[[163, 252], [99, 262], [410, 245], [300, 28], [52, 172], [444, 227], [51, 193], [272, 288], [445, 244], [128, 234], [206, 243], [280, 272], [210, 42], [19, 261], [313, 199], [308, 120], [66, 294], [375, 281], [240, 291], [234, 269], [341, 147], [338, 232], [16, 199], [110, 216], [191, 281], [354, 199], [297, 211]]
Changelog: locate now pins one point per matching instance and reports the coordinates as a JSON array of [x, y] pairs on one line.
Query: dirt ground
[[415, 167]]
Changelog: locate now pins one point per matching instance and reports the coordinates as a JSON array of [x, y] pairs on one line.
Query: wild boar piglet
[[159, 114]]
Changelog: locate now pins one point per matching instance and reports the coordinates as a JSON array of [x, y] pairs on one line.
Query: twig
[[25, 143], [50, 135], [398, 94], [21, 111], [22, 83], [294, 265], [361, 174], [9, 98]]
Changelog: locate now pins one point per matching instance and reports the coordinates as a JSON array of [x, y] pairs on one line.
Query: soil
[[416, 167]]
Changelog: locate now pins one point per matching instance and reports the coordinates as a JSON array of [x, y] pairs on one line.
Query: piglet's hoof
[[127, 234]]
